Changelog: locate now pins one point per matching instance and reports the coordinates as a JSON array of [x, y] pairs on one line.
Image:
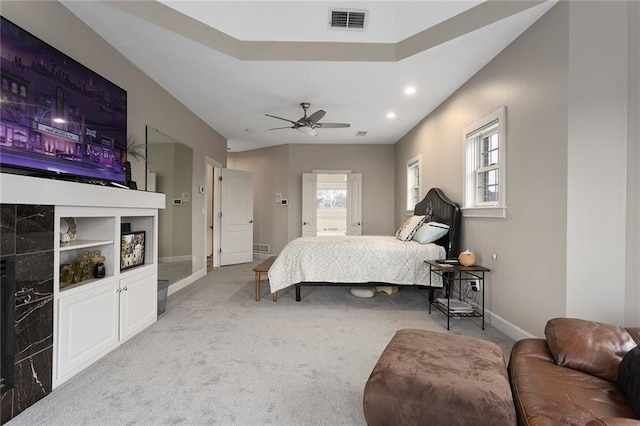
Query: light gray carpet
[[219, 357]]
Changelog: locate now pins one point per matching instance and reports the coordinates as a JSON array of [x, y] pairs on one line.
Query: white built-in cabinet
[[94, 316]]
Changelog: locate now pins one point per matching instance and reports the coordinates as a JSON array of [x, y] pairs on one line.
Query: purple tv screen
[[57, 117]]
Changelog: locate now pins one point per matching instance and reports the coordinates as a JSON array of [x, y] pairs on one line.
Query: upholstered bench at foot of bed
[[427, 377], [259, 270]]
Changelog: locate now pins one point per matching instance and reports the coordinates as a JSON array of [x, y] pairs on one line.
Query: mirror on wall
[[170, 171]]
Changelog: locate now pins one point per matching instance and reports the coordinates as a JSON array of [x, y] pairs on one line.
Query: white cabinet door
[[138, 303], [87, 327]]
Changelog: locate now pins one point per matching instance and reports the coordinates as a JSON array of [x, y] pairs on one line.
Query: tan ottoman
[[432, 378]]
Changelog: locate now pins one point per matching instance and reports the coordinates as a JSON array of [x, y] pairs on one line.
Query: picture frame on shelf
[[132, 249]]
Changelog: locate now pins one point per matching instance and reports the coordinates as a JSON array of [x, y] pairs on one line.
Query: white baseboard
[[511, 330], [179, 285], [172, 259]]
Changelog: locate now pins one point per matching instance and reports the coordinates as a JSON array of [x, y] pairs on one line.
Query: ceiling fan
[[308, 125]]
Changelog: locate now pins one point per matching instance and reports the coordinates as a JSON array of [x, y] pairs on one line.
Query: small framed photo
[[132, 250]]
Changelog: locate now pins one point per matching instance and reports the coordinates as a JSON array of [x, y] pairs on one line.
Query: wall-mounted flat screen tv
[[57, 117]]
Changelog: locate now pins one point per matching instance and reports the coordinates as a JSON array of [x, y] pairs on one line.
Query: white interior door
[[354, 204], [309, 205], [236, 223]]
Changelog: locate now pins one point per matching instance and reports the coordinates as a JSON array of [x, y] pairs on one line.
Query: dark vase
[[100, 270]]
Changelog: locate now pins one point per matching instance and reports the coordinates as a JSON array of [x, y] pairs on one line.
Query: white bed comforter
[[354, 259]]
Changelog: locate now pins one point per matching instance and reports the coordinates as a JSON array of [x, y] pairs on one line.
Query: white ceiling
[[231, 62]]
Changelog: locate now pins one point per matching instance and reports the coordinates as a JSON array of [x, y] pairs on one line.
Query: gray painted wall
[[270, 167], [280, 168], [375, 162], [161, 156], [172, 163], [541, 78], [148, 103], [632, 310], [597, 166], [182, 216]]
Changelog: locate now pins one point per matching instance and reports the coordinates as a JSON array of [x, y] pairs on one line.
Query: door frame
[[215, 186]]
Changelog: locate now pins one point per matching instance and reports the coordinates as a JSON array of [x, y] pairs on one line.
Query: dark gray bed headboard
[[438, 208]]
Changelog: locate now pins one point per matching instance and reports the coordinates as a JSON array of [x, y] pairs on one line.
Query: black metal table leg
[[482, 300]]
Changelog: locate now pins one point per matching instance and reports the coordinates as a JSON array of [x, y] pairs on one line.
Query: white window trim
[[411, 161], [470, 208]]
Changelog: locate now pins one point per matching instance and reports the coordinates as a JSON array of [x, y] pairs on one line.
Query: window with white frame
[[485, 163], [413, 182]]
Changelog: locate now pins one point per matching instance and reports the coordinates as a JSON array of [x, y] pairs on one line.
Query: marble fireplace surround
[[27, 228], [26, 231]]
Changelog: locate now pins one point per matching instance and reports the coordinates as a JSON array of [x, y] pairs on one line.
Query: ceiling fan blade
[[332, 125], [317, 116], [280, 118], [278, 128]]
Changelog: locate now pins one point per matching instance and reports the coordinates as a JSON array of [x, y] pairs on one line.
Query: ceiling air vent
[[347, 19], [361, 133]]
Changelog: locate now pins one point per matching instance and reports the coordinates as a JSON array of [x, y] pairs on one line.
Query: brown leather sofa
[[570, 378]]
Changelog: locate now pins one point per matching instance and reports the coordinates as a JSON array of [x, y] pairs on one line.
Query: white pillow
[[430, 232], [409, 228]]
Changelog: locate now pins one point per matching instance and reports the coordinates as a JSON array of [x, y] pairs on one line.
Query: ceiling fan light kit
[[308, 125], [308, 130]]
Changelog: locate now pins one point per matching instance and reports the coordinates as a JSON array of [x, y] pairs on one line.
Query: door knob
[[359, 223], [251, 221], [305, 223]]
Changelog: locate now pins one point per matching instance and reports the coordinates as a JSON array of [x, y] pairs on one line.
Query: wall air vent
[[347, 19], [262, 248], [361, 133]]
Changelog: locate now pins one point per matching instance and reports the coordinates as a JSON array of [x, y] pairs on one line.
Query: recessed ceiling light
[[391, 115], [409, 90]]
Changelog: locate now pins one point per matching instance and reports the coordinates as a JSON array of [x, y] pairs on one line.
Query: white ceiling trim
[[469, 20], [231, 94]]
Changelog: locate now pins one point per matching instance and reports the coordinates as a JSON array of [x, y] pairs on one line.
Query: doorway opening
[[331, 199], [331, 203]]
